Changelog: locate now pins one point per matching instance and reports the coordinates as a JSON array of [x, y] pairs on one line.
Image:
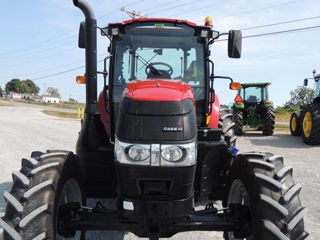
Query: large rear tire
[[311, 124], [295, 128], [227, 126], [268, 122], [44, 183], [238, 120], [261, 182]]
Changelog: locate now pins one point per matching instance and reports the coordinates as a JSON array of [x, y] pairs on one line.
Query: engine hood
[[158, 90]]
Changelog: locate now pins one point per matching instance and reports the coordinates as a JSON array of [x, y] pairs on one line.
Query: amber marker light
[[235, 86], [81, 79], [208, 119]]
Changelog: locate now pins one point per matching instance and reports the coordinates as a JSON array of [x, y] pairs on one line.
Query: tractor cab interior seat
[[252, 99]]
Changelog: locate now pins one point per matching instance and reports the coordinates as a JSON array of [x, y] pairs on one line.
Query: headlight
[[128, 153], [172, 153], [137, 152], [178, 155]]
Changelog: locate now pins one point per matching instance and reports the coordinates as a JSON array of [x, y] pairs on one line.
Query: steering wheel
[[151, 66]]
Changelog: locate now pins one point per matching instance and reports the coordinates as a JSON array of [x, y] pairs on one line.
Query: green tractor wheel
[[268, 122], [310, 123], [295, 128]]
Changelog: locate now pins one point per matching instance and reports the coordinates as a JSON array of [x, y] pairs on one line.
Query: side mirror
[[234, 43], [82, 35], [305, 82]]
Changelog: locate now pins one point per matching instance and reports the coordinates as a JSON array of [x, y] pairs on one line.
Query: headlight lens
[[172, 153], [128, 153], [179, 155], [138, 152]]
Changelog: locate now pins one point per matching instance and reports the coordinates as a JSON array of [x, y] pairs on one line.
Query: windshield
[[159, 50], [253, 94]]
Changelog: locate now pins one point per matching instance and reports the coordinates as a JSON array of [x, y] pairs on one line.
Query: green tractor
[[306, 122], [252, 107]]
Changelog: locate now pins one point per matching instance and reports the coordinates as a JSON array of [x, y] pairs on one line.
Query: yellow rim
[[307, 124], [293, 123]]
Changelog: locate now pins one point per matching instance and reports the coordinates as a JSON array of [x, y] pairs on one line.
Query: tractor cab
[[158, 50], [316, 88], [164, 52], [253, 107], [254, 92]]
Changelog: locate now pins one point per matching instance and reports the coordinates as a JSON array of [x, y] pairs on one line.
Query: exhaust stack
[[91, 55]]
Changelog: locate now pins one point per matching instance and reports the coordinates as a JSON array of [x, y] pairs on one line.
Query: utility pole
[[133, 14]]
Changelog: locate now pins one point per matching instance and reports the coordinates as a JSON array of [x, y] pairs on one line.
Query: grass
[[5, 103], [65, 105], [283, 117], [60, 114]]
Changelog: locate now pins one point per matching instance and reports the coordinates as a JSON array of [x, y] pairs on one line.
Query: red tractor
[[156, 144]]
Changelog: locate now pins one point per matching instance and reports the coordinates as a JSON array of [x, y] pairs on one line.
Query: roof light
[[208, 21], [114, 31], [204, 33]]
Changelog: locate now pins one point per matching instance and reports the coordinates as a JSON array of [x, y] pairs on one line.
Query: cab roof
[[258, 84], [130, 21]]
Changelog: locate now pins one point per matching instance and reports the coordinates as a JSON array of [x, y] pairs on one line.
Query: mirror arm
[[224, 77]]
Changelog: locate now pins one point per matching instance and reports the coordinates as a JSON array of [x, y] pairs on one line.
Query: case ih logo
[[172, 129]]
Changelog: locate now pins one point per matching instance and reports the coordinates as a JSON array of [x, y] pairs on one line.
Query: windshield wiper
[[145, 63]]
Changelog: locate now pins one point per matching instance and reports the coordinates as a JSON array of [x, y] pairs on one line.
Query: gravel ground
[[25, 129]]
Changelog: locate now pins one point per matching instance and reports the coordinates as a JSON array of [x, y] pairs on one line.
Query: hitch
[[74, 217]]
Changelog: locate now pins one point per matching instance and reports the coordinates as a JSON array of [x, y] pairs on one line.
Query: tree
[[300, 96], [30, 86], [13, 85], [1, 91], [53, 91], [25, 86]]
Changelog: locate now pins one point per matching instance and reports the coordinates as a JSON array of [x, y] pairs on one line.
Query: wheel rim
[[71, 192], [238, 194], [307, 124], [293, 123]]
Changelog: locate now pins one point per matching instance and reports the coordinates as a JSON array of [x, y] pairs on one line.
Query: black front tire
[[45, 181], [269, 122], [262, 182], [238, 120], [227, 126]]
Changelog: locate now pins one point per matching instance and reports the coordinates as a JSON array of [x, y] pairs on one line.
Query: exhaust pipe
[[91, 55]]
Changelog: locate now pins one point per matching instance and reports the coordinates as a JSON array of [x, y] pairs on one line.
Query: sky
[[39, 38]]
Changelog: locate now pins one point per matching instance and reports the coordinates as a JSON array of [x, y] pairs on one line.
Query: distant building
[[50, 99], [36, 98], [15, 96], [26, 96]]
